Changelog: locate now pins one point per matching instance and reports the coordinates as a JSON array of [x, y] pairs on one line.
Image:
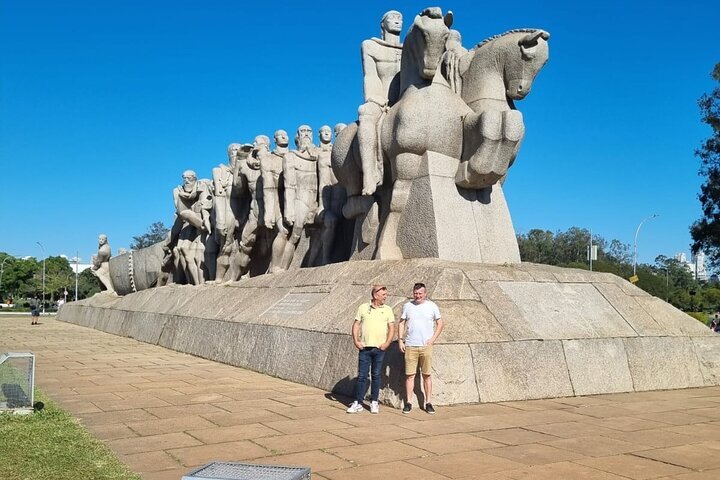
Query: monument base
[[512, 332]]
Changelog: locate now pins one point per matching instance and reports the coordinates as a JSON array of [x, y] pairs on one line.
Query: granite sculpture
[[249, 178], [331, 199], [193, 202], [381, 65], [226, 209], [271, 168], [101, 263], [301, 189], [448, 152]]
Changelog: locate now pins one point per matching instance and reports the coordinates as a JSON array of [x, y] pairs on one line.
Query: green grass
[[51, 444]]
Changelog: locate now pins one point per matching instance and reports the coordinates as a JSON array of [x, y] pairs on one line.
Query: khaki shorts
[[415, 356]]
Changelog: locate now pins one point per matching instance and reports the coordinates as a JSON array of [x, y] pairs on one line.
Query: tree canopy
[[155, 233], [706, 231]]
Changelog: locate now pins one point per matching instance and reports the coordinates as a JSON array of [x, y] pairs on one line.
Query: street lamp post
[[43, 281], [2, 271], [77, 260], [637, 232]]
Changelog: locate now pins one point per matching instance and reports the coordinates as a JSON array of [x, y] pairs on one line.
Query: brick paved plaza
[[164, 412]]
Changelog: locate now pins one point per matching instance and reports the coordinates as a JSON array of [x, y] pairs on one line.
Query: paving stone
[[150, 462], [152, 443], [632, 466], [379, 452], [394, 470], [226, 452], [301, 442], [465, 464], [453, 442], [696, 457], [560, 470], [596, 446], [516, 436], [375, 433], [231, 434], [533, 454]]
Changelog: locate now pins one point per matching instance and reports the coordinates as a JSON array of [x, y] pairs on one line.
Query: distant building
[[696, 266]]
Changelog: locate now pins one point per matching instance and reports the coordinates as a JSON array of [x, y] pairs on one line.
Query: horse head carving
[[502, 68], [424, 45]]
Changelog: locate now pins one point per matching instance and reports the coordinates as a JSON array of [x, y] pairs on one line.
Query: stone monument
[[423, 169]]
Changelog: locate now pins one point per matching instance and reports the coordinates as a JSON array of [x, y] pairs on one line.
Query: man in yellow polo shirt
[[372, 332]]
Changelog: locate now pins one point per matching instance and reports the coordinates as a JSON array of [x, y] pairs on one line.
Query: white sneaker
[[374, 407], [356, 407]]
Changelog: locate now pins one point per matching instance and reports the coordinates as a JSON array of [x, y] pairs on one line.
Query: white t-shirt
[[419, 322]]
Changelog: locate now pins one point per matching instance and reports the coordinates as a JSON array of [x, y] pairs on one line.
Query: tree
[[156, 233], [88, 284], [706, 231]]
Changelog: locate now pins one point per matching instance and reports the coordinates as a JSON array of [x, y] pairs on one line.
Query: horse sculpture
[[477, 132], [494, 74]]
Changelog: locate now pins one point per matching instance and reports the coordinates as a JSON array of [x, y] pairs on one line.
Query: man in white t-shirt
[[420, 326]]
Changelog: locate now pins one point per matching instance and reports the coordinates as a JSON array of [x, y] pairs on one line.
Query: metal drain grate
[[247, 471]]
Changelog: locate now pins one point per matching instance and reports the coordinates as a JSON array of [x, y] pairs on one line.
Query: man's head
[[339, 127], [189, 180], [325, 134], [232, 151], [261, 145], [419, 292], [391, 23], [281, 138], [303, 137], [102, 239], [379, 294]]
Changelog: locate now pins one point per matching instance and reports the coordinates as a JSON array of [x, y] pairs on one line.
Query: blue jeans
[[369, 358]]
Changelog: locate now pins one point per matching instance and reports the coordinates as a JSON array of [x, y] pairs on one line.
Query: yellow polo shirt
[[374, 324]]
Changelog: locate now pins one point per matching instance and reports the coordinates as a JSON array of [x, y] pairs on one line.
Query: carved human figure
[[193, 202], [100, 266], [225, 210], [339, 127], [301, 189], [381, 89], [331, 197], [450, 61], [250, 177], [271, 168]]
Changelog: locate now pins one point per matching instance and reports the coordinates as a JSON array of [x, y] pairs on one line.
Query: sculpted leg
[[483, 164], [387, 244], [278, 247], [247, 241], [369, 114]]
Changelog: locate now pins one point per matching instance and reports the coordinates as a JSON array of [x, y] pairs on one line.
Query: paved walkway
[[164, 412]]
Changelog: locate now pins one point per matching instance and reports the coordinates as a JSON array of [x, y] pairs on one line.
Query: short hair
[[264, 139], [377, 288], [189, 173], [418, 286]]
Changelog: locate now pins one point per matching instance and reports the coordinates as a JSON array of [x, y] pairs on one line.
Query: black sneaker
[[407, 408], [429, 409]]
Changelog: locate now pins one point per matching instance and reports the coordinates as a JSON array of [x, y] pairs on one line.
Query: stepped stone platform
[[514, 332]]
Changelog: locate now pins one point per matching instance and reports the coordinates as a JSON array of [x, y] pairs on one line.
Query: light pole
[[2, 271], [77, 260], [637, 232], [43, 296]]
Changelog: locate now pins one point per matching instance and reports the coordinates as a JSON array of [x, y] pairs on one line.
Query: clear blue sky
[[104, 104]]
